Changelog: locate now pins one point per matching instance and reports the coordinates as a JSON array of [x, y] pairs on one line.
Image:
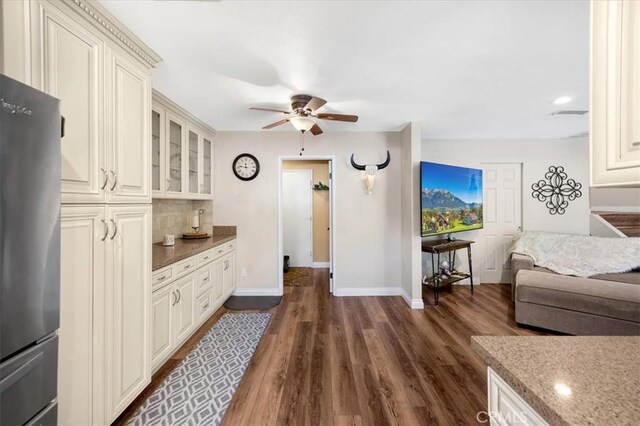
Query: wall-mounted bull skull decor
[[369, 171]]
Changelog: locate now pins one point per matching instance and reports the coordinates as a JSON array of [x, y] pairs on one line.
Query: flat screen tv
[[450, 198]]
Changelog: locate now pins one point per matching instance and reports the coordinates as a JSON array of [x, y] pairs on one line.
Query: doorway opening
[[305, 211]]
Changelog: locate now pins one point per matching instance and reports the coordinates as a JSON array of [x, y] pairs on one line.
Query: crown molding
[[96, 13]]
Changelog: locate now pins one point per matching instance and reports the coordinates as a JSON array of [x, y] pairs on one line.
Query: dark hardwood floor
[[366, 360]]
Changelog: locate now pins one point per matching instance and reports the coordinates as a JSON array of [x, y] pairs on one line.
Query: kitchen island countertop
[[570, 380]]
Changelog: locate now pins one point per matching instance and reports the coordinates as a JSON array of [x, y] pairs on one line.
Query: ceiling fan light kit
[[302, 123], [302, 115]]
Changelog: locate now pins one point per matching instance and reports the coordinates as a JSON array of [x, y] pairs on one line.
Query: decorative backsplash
[[174, 217]]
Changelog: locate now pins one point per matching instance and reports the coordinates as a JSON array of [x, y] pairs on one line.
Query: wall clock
[[246, 167]]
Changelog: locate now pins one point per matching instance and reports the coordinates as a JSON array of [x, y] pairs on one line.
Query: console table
[[439, 277]]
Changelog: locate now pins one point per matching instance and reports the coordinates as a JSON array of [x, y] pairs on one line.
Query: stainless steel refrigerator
[[30, 137]]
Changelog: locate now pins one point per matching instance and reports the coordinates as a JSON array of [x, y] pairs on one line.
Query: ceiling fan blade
[[338, 117], [316, 130], [276, 124], [270, 109], [315, 103]]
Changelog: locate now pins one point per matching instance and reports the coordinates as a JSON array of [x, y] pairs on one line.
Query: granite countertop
[[602, 373], [166, 255]]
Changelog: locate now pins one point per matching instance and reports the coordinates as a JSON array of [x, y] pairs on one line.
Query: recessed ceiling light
[[562, 100], [562, 389]]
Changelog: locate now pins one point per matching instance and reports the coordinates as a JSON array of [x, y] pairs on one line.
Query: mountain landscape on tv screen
[[443, 212]]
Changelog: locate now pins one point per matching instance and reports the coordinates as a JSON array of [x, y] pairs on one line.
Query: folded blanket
[[579, 255]]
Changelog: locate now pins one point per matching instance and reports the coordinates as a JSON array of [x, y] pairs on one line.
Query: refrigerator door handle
[[12, 378], [115, 229]]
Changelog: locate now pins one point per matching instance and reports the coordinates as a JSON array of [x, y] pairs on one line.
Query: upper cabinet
[[615, 93], [101, 74], [182, 152]]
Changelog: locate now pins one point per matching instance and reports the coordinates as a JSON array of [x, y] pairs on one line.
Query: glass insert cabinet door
[[194, 184], [157, 147], [174, 162], [206, 166]]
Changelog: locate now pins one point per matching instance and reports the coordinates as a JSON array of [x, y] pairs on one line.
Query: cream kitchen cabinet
[[182, 152], [128, 148], [81, 392], [77, 55], [105, 338], [127, 306], [615, 93], [185, 295], [228, 274]]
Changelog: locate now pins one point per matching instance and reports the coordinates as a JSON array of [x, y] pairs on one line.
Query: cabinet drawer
[[231, 245], [205, 257], [204, 280], [203, 306], [506, 407], [219, 251], [185, 266], [161, 277]]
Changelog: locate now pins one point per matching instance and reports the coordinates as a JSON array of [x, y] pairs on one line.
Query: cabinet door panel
[[129, 124], [175, 135], [70, 59], [207, 167], [185, 313], [217, 272], [161, 324], [158, 152], [127, 306], [228, 277], [80, 355], [194, 163]]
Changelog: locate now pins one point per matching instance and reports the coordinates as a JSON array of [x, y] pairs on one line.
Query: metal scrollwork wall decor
[[557, 190]]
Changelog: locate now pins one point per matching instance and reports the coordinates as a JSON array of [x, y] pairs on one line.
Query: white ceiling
[[478, 69]]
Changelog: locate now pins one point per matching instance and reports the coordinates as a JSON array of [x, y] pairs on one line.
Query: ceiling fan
[[303, 114]]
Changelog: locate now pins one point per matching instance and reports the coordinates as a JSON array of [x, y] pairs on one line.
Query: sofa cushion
[[597, 297], [627, 277]]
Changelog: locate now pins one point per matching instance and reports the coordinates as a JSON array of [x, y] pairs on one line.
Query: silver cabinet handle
[[169, 184], [205, 258], [115, 180], [115, 229], [186, 267], [179, 296], [205, 307], [205, 279], [175, 298], [162, 278], [226, 265], [106, 178], [106, 229]]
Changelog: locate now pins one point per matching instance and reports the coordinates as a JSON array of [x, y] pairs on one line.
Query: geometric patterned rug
[[199, 390]]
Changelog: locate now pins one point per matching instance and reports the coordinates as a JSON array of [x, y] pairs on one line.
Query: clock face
[[246, 167]]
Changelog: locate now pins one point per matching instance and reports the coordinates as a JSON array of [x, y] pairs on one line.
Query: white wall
[[367, 227], [410, 172], [536, 156]]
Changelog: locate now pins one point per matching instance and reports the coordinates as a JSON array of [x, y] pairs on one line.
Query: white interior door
[[502, 218], [297, 217]]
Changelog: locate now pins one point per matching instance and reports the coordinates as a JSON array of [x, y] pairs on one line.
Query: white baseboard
[[320, 265], [366, 291], [379, 291], [257, 292], [413, 303]]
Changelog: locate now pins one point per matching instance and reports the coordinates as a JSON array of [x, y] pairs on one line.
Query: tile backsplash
[[174, 217]]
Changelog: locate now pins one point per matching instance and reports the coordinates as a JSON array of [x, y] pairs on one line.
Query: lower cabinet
[[104, 358], [180, 306]]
